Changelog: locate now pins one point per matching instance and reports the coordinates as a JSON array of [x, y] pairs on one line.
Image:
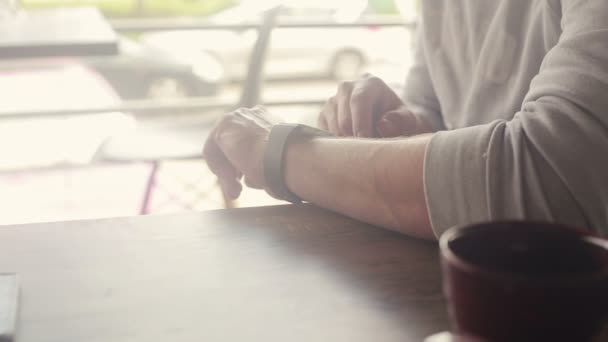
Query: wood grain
[[287, 273]]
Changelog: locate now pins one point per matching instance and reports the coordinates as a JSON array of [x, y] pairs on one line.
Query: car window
[[297, 13], [323, 10], [129, 47], [293, 11], [246, 12]]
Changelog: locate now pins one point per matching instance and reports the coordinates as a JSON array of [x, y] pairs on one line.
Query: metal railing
[[152, 107], [144, 25]]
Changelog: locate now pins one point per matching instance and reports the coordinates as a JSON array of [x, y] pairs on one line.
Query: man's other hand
[[235, 149], [369, 108]]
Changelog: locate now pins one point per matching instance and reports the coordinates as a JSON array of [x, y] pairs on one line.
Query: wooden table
[[81, 31], [287, 273]]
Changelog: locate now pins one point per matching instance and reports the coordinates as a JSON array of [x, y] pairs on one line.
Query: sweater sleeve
[[419, 96], [550, 162]]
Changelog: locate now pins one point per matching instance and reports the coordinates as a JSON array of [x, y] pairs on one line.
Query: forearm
[[375, 181]]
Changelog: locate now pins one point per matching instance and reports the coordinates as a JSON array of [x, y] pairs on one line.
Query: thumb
[[396, 123]]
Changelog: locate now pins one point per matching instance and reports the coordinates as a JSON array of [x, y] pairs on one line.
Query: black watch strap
[[278, 140]]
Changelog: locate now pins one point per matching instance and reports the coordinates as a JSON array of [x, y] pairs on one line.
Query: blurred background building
[[100, 136]]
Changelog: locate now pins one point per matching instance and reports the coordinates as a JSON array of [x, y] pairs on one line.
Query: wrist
[[282, 137], [301, 164]]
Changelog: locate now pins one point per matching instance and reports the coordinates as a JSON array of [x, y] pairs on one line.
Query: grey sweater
[[519, 90]]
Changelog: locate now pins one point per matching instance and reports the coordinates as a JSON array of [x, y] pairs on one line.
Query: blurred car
[[32, 142], [338, 53], [141, 71]]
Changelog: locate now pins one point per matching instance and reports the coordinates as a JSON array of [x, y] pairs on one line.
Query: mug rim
[[450, 257]]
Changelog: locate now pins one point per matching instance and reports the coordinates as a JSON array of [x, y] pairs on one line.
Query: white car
[[339, 53], [56, 85]]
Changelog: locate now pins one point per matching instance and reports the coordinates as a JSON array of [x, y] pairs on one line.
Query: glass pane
[[183, 72]]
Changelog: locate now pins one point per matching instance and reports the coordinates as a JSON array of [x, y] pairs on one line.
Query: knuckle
[[368, 75], [373, 81], [358, 97], [329, 105], [321, 116], [331, 120], [225, 119], [345, 124], [345, 88], [373, 78], [345, 85]]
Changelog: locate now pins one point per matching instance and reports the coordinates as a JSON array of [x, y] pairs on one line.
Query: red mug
[[525, 281]]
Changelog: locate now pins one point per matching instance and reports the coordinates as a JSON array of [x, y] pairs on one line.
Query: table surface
[[80, 31], [285, 273]]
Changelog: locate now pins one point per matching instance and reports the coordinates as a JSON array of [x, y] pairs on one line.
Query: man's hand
[[235, 148], [369, 108], [335, 174]]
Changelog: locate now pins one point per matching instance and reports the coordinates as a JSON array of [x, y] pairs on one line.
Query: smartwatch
[[279, 138]]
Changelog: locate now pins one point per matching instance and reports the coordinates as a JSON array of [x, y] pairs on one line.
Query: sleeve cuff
[[455, 177]]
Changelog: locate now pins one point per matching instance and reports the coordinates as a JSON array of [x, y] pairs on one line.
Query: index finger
[[217, 161], [362, 102]]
